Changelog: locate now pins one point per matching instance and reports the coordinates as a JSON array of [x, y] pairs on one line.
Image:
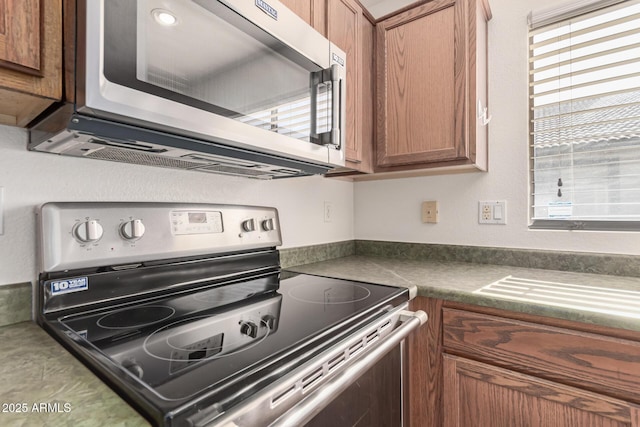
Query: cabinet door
[[366, 99], [343, 29], [420, 72], [481, 395], [585, 360], [30, 58], [20, 35]]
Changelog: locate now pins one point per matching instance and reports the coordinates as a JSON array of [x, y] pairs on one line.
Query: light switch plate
[[492, 212], [430, 212], [328, 211]]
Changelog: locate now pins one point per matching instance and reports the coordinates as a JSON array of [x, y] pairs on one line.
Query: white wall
[[390, 210], [30, 179]]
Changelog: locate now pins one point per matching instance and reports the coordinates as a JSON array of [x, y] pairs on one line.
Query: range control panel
[[93, 234]]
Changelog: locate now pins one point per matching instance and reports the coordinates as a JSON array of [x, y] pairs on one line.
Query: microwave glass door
[[212, 58]]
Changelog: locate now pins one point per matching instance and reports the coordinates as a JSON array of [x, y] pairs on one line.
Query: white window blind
[[293, 118], [584, 83]]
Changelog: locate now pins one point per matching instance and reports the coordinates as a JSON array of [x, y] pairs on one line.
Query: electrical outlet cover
[[492, 212], [430, 212]]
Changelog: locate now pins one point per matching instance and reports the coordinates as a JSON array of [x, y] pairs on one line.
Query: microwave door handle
[[336, 105], [332, 137]]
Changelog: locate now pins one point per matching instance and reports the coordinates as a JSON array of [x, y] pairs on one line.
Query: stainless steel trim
[[296, 398], [320, 398]]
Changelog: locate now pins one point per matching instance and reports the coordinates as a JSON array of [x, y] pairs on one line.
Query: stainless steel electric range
[[184, 311]]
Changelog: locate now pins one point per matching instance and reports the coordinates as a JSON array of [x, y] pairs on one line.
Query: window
[[584, 83]]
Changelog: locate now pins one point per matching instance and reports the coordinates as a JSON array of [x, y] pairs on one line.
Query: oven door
[[360, 382], [247, 74]]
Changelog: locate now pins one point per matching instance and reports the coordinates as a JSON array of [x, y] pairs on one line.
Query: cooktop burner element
[[338, 293], [135, 317]]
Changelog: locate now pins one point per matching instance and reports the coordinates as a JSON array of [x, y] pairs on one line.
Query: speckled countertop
[[36, 370], [41, 384], [457, 281]]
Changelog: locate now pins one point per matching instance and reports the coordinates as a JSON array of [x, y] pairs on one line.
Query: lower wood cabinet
[[478, 366], [481, 395]]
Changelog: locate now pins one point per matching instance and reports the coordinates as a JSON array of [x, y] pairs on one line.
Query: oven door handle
[[325, 394]]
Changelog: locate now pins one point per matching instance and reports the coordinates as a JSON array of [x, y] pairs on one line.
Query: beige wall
[[390, 210]]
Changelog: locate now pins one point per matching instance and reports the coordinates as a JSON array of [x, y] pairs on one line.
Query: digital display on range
[[197, 217], [196, 222]]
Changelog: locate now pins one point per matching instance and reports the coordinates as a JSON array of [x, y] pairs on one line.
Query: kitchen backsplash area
[[16, 302], [579, 262], [30, 179]]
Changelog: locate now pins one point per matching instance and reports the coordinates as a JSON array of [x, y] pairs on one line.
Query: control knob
[[88, 231], [269, 321], [249, 329], [133, 367], [132, 230], [268, 224], [249, 225]]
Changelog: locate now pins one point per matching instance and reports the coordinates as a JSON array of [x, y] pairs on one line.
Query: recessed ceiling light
[[164, 17]]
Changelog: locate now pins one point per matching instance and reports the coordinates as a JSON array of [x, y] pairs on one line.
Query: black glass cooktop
[[217, 339]]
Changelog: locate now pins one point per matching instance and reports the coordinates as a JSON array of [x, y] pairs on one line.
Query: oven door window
[[213, 59]]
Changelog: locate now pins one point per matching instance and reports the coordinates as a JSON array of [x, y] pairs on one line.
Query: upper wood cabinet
[[30, 58], [343, 29], [312, 11], [352, 32], [431, 73], [366, 98]]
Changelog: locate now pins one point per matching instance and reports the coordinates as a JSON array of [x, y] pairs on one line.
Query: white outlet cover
[[492, 212], [328, 211]]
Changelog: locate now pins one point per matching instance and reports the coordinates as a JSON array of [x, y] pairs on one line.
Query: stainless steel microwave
[[241, 87]]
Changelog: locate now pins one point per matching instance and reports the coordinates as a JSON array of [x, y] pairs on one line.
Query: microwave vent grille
[[129, 156], [237, 171]]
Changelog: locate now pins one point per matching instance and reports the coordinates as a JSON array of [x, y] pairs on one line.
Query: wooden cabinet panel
[[20, 35], [425, 366], [366, 98], [419, 80], [480, 395], [431, 71], [30, 58], [343, 29], [590, 361]]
